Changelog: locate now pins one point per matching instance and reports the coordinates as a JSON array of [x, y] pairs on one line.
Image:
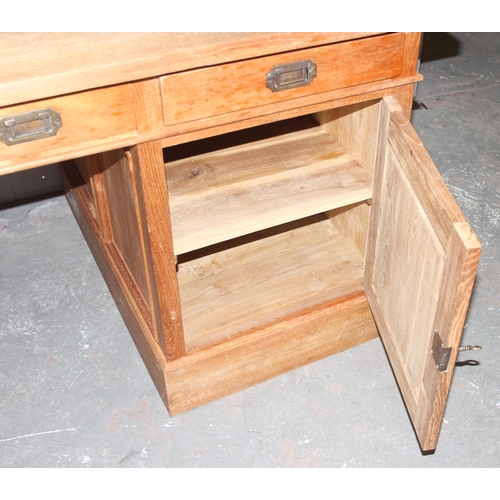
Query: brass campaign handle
[[31, 126], [291, 76]]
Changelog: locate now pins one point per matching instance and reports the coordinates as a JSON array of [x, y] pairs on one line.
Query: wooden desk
[[255, 201]]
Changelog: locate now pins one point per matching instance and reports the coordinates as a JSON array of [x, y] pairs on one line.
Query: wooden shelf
[[252, 281], [229, 192]]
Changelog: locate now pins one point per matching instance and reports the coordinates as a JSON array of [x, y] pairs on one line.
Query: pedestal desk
[[255, 202]]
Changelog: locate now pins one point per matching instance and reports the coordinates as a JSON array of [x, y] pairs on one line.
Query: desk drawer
[[212, 91], [84, 120]]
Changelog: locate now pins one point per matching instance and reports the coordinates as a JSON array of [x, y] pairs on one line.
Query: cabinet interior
[[271, 221]]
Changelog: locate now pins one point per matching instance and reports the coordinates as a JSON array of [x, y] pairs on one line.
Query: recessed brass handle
[[25, 127], [291, 76]]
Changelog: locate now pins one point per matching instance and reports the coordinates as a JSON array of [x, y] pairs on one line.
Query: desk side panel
[[119, 201]]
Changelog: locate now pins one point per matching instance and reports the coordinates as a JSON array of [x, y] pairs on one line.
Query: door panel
[[421, 262]]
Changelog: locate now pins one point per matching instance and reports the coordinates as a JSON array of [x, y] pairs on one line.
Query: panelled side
[[118, 197]]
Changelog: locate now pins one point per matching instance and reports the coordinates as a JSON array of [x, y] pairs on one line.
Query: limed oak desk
[[255, 202]]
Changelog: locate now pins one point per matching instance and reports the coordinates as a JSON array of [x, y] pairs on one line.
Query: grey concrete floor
[[75, 393]]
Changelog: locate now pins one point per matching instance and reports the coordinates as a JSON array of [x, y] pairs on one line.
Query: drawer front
[[39, 132], [207, 92]]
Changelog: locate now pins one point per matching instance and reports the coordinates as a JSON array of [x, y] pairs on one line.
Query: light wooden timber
[[189, 132], [126, 204], [278, 273], [230, 192], [138, 326], [223, 266], [41, 65], [98, 133], [352, 222], [421, 261], [223, 368], [357, 129], [239, 86], [91, 120], [262, 353], [80, 84]]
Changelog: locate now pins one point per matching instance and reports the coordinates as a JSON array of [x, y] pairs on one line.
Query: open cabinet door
[[421, 263]]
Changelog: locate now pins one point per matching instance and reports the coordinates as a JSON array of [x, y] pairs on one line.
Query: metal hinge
[[440, 353]]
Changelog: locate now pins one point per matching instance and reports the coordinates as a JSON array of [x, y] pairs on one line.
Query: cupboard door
[[421, 263]]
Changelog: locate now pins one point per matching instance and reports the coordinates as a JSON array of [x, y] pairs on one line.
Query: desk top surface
[[40, 65]]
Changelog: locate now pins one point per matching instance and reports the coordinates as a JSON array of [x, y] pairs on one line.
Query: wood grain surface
[[420, 263], [41, 65], [230, 192]]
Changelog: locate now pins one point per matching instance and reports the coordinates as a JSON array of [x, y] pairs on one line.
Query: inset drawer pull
[[29, 126], [291, 76]]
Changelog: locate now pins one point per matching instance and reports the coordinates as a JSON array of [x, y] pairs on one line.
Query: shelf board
[[241, 285], [224, 194]]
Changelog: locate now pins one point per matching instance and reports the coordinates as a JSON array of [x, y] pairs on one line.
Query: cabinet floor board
[[300, 266]]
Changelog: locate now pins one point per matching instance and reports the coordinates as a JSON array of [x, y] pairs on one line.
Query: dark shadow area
[[33, 199], [438, 46], [415, 106], [29, 183], [251, 237], [237, 138], [469, 362], [428, 452]]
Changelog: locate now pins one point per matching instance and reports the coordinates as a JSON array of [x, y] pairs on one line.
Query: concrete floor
[[75, 393]]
